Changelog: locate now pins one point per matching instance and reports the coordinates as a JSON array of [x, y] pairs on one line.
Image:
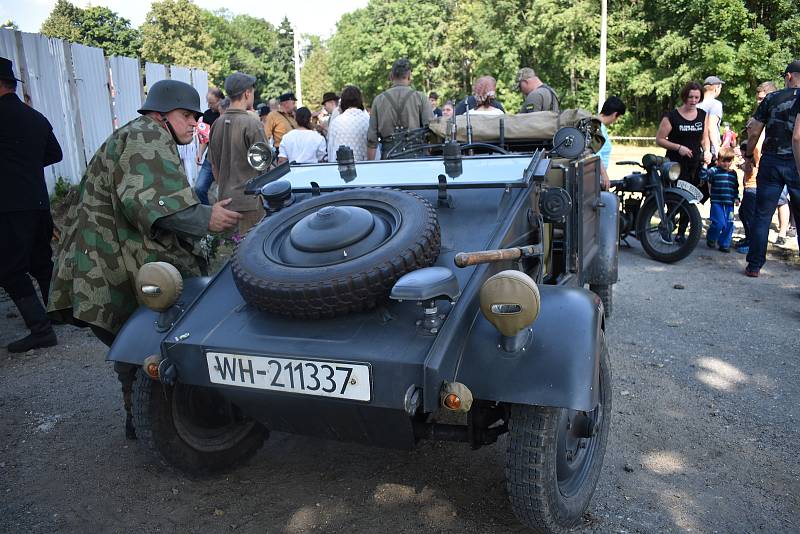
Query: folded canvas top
[[540, 125]]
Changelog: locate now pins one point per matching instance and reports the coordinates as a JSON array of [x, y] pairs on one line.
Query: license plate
[[686, 186], [307, 377]]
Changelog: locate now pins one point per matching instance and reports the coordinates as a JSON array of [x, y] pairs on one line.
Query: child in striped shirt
[[723, 186]]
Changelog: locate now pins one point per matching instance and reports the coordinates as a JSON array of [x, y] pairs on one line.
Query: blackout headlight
[[158, 285], [671, 169]]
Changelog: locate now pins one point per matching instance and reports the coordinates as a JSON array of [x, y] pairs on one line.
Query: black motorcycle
[[658, 209]]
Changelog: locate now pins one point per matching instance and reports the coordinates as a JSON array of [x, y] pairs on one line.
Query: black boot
[[42, 333]]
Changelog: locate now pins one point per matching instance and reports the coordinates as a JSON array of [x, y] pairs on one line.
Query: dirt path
[[704, 433]]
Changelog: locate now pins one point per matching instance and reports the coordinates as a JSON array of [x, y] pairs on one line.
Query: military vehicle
[[439, 297]]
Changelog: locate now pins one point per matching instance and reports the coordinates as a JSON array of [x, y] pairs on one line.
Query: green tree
[[247, 44], [94, 26], [173, 34], [283, 63], [368, 40], [315, 74]]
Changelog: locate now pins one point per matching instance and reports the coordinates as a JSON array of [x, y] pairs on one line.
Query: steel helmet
[[167, 95]]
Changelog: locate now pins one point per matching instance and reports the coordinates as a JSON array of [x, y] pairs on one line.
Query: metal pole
[[297, 83], [601, 93]]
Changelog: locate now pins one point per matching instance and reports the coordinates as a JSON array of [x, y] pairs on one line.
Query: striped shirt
[[723, 185]]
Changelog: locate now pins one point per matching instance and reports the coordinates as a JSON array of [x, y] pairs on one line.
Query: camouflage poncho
[[135, 178]]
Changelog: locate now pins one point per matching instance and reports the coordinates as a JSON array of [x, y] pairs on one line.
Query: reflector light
[[452, 401]]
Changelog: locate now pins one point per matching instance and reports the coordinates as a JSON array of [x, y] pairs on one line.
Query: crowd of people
[[695, 136], [136, 205]]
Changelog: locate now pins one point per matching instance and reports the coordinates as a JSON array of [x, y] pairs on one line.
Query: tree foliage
[[94, 26], [653, 48], [173, 34], [316, 74]]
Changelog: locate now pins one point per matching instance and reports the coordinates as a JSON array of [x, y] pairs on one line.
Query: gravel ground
[[704, 430]]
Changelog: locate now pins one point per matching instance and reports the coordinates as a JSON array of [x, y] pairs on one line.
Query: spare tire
[[337, 253]]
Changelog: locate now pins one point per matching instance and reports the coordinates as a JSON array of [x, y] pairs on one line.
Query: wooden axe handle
[[465, 259]]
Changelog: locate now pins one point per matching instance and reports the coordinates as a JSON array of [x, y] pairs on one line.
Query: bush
[[61, 189]]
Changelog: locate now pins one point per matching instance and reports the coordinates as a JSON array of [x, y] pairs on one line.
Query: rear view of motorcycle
[[658, 209]]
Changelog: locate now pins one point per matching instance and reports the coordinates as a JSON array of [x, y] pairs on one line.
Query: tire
[[605, 292], [310, 285], [191, 442], [536, 457], [678, 209]]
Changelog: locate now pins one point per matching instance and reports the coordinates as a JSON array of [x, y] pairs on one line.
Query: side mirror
[[260, 156]]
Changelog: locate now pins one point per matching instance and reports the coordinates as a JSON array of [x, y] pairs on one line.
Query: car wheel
[[193, 428], [551, 469], [605, 292], [337, 253]]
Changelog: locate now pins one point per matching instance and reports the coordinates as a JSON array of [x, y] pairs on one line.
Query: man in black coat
[[27, 146]]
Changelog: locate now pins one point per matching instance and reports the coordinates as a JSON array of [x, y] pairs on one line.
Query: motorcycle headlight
[[671, 170]]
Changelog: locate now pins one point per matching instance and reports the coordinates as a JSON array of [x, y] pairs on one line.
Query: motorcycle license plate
[[340, 380], [689, 188]]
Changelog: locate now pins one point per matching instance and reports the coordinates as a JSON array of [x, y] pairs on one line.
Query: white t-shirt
[[303, 146], [490, 111], [713, 107]]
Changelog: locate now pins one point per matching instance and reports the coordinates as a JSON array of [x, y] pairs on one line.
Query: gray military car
[[456, 297]]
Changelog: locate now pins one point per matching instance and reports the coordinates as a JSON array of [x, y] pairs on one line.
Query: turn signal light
[[151, 364], [452, 401]]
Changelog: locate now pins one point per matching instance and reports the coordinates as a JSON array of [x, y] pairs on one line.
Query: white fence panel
[[127, 83], [94, 99], [49, 81], [8, 50], [154, 72], [182, 74], [200, 82]]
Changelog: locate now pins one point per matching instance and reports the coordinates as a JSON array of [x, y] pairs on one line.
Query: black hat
[[329, 96], [6, 72], [262, 109], [286, 97], [794, 66]]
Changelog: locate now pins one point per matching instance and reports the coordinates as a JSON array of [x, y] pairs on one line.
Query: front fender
[[559, 367], [139, 338], [605, 265]]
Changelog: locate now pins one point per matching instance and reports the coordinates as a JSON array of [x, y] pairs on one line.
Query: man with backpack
[[400, 107]]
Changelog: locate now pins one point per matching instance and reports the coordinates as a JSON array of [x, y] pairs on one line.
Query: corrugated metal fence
[[85, 95]]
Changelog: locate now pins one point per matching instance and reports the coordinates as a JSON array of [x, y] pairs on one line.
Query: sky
[[317, 17]]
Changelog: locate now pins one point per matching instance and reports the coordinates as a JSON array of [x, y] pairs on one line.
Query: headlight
[[260, 156], [158, 285], [671, 169]]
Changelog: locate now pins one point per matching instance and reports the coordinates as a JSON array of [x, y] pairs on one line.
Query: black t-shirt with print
[[688, 133], [777, 112]]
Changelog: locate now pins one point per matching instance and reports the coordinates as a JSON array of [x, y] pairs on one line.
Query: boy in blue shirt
[[723, 186]]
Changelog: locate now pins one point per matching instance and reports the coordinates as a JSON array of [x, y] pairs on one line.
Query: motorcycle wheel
[[671, 242]]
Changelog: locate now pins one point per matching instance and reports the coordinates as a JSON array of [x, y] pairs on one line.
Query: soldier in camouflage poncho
[[135, 206]]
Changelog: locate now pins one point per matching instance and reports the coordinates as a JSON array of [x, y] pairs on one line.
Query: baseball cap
[[712, 80], [525, 73], [238, 82], [794, 66]]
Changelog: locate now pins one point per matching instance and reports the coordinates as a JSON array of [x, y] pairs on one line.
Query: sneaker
[[751, 274], [743, 249], [711, 243], [725, 249], [781, 241], [741, 243]]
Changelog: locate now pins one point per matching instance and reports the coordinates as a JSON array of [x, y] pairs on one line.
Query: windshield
[[477, 171]]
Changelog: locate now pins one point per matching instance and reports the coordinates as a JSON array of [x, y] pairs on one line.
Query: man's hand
[[222, 218], [199, 158]]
